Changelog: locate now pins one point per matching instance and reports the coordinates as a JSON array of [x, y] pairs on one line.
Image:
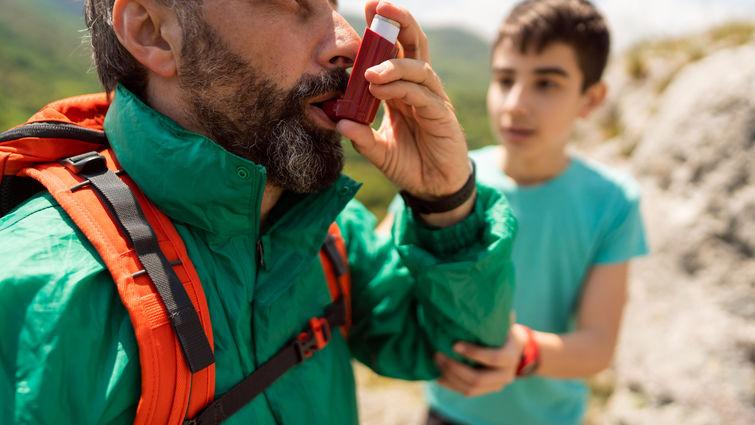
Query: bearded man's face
[[250, 116]]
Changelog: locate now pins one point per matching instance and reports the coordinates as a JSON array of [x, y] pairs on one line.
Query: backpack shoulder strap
[[34, 143], [335, 263], [154, 277]]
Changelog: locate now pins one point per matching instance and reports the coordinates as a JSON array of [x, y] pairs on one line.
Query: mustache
[[315, 85]]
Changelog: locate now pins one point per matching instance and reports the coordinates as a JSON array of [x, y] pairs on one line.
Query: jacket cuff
[[409, 229]]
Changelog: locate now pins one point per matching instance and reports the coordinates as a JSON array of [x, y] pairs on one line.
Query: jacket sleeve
[[68, 352], [420, 289]]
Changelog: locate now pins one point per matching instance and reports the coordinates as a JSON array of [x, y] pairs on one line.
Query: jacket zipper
[[260, 254]]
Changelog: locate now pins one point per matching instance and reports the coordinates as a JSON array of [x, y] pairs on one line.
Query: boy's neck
[[527, 171]]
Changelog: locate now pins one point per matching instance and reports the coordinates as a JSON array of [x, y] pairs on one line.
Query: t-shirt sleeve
[[625, 235], [397, 204]]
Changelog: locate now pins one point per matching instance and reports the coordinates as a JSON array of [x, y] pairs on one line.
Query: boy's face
[[534, 98]]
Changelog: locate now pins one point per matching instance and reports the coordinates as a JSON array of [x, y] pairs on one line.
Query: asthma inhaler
[[378, 45]]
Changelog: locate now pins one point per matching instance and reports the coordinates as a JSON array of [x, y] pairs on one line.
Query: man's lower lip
[[320, 115]]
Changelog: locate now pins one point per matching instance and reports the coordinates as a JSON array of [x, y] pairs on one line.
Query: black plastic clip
[[86, 163], [313, 339]]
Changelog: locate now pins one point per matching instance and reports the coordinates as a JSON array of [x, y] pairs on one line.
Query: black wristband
[[446, 203]]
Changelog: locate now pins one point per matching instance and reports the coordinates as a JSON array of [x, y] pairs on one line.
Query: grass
[[682, 51], [734, 33]]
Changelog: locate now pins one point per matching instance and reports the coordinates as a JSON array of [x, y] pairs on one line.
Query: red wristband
[[530, 359]]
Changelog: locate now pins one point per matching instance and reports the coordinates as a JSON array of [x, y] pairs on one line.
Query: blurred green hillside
[[43, 57]]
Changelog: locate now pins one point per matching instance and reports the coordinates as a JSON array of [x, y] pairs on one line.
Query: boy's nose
[[515, 101]]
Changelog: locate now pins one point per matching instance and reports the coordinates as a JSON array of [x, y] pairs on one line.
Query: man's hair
[[535, 24], [114, 64]]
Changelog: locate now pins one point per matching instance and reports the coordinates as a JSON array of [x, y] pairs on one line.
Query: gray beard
[[251, 117]]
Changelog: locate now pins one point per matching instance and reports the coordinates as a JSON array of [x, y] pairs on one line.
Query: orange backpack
[[63, 149]]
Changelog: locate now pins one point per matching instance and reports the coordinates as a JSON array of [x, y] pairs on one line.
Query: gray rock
[[687, 351]]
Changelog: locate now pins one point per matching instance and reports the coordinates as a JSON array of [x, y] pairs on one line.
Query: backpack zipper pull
[[260, 254]]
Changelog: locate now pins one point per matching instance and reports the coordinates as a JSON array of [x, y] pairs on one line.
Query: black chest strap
[[313, 338]]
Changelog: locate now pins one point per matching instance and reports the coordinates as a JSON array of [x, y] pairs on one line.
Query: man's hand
[[420, 145], [498, 365]]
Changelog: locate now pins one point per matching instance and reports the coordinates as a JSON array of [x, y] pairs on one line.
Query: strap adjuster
[[86, 163], [313, 339]]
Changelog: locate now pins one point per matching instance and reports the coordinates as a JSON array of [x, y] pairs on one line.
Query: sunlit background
[[630, 20], [680, 117]]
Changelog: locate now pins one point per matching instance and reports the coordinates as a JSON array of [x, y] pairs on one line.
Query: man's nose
[[345, 46]]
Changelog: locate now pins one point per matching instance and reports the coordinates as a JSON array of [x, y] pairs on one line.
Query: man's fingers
[[489, 357], [472, 381], [451, 385], [410, 70], [370, 144], [427, 104], [363, 138], [476, 379]]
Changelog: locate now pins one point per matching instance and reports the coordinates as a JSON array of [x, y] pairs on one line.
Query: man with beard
[[216, 116]]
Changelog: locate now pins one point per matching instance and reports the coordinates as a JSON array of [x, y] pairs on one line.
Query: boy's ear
[[150, 32], [593, 97]]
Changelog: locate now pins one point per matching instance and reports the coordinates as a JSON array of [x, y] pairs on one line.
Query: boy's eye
[[506, 82], [545, 84]]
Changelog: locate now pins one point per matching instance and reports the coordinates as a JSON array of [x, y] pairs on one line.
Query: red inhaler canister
[[378, 45]]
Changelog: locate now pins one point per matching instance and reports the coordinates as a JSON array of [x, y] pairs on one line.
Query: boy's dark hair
[[535, 24]]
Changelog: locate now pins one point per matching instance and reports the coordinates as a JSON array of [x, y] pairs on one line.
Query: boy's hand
[[420, 145], [498, 365]]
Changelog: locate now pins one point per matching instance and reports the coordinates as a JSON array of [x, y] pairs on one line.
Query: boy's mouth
[[519, 130], [516, 133]]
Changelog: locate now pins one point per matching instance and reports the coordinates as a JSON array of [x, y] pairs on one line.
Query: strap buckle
[[315, 338], [86, 163]]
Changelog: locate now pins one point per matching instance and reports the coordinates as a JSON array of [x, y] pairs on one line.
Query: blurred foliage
[[610, 123], [636, 64], [43, 57]]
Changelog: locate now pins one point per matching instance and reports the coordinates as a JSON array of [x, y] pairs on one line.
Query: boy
[[579, 225]]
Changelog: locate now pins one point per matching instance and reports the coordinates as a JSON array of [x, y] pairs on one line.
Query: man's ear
[[150, 32], [592, 98]]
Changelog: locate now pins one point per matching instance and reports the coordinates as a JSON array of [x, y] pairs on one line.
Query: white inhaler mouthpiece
[[386, 28]]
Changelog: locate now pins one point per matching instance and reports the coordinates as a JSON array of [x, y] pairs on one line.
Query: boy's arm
[[590, 348], [581, 353]]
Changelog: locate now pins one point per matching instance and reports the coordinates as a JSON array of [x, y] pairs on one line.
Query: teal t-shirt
[[587, 215]]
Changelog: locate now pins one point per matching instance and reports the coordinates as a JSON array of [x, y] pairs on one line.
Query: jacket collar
[[195, 181]]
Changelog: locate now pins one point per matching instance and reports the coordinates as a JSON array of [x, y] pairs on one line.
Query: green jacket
[[67, 349]]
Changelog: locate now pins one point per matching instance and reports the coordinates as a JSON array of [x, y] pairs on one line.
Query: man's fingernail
[[378, 69], [460, 347]]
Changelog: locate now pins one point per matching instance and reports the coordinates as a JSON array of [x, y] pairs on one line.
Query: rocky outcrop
[[687, 353]]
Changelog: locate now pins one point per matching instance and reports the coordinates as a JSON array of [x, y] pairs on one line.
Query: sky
[[630, 21]]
